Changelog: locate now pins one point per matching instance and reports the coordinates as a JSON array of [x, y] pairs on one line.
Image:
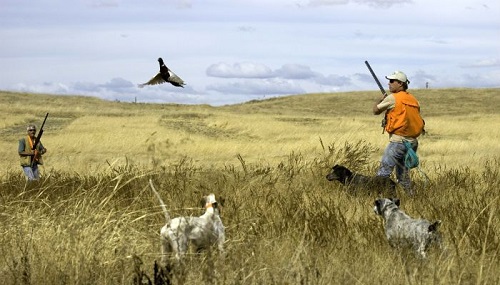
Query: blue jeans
[[31, 172], [394, 157]]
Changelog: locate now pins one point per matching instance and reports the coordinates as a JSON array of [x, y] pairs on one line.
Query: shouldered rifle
[[384, 120], [37, 141]]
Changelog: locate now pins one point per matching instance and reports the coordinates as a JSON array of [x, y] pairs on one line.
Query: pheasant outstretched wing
[[158, 79], [174, 79]]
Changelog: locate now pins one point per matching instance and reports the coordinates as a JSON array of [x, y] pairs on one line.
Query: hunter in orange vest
[[403, 123], [29, 158]]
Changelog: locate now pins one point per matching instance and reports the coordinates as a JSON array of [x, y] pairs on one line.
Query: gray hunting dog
[[403, 231]]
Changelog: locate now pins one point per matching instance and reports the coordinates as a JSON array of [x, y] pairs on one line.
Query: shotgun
[[37, 140], [384, 120], [376, 79]]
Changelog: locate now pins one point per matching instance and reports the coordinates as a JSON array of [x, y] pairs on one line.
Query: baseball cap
[[398, 75], [31, 127]]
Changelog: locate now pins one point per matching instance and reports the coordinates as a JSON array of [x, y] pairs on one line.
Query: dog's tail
[[163, 207], [434, 226]]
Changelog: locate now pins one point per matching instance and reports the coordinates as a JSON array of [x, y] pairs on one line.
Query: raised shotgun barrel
[[384, 120], [376, 79]]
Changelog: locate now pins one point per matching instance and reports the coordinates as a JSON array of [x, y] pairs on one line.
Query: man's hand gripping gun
[[37, 141]]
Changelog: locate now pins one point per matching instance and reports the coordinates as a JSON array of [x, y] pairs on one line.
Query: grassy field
[[91, 219]]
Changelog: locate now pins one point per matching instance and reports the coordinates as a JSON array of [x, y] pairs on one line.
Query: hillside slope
[[84, 133]]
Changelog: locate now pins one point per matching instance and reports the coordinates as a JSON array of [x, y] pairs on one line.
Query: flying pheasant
[[165, 75]]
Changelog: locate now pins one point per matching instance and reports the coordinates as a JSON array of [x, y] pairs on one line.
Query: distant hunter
[[30, 152]]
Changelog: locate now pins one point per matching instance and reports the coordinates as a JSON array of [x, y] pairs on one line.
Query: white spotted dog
[[202, 232], [403, 231]]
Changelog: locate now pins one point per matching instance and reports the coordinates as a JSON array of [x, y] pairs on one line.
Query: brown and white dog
[[202, 232]]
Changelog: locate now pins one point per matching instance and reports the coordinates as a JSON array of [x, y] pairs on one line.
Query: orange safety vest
[[404, 119], [28, 145]]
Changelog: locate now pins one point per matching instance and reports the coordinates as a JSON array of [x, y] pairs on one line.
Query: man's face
[[31, 132], [395, 85]]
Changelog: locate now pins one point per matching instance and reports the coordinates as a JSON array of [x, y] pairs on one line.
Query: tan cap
[[398, 75]]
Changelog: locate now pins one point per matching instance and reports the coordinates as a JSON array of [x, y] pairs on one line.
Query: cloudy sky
[[232, 51]]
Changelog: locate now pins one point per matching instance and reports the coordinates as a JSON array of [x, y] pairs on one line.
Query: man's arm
[[20, 150], [376, 110], [382, 104]]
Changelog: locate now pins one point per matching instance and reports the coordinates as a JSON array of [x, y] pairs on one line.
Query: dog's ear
[[221, 201], [203, 202], [396, 201], [378, 206], [434, 227], [346, 171]]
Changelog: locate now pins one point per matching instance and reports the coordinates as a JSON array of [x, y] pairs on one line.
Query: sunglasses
[[31, 130], [393, 80]]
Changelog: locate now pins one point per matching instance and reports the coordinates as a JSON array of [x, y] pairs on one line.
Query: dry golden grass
[[92, 219], [83, 133]]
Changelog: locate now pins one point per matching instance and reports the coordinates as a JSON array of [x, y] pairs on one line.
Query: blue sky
[[232, 51]]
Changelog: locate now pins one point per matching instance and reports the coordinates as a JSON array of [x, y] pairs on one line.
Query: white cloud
[[334, 80], [295, 71], [373, 3], [258, 87], [102, 3], [490, 62], [317, 3], [239, 70], [118, 84], [382, 3]]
